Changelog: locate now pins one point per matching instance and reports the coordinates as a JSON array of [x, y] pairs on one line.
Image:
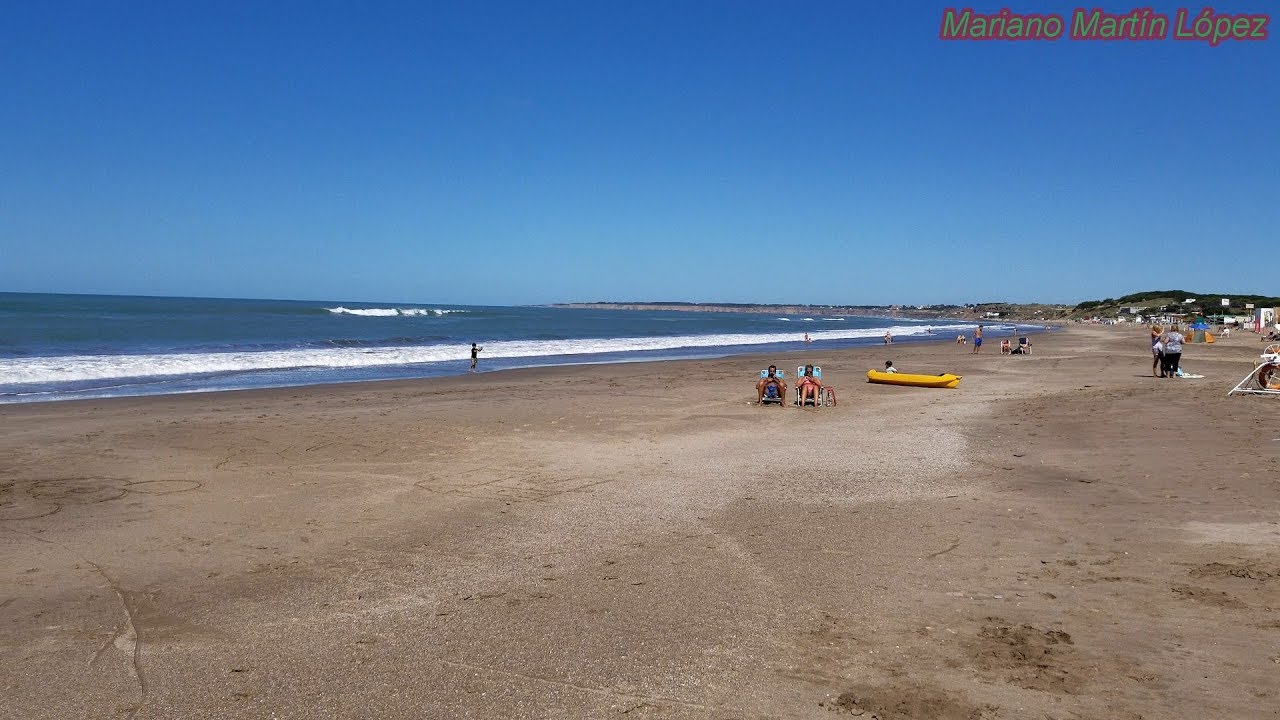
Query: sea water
[[55, 347]]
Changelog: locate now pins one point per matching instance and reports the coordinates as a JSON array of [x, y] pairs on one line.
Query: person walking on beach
[[977, 339], [475, 356]]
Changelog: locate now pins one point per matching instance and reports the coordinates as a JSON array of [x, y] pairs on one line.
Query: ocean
[[58, 347]]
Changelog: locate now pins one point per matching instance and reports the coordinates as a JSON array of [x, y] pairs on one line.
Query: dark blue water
[[74, 346]]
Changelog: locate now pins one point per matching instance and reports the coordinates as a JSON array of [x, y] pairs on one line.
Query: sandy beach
[[1061, 537]]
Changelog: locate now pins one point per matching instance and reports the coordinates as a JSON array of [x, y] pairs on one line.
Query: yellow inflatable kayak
[[935, 381]]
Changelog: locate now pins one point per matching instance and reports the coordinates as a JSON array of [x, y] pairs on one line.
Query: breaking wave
[[80, 368], [392, 312]]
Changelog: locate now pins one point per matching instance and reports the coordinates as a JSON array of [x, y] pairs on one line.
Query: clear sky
[[546, 151]]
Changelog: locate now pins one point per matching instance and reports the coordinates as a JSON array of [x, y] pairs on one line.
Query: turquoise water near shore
[[55, 347]]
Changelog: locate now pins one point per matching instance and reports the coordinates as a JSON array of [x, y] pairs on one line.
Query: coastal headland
[[1008, 311], [1182, 303], [1063, 536]]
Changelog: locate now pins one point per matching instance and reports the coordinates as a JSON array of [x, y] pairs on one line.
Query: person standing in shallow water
[[475, 356]]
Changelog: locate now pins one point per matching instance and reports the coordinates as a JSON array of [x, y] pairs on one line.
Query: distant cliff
[[984, 311], [732, 307]]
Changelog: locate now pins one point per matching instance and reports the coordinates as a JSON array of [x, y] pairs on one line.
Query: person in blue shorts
[[771, 380], [977, 339]]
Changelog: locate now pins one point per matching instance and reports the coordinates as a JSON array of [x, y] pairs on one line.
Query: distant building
[[1264, 319]]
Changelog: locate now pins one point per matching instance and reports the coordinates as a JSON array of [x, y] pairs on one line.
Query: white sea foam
[[391, 312], [80, 368]]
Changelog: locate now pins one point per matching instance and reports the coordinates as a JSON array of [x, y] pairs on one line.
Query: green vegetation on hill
[[1172, 301]]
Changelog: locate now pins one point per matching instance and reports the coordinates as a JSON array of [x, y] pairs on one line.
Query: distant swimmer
[[888, 338], [475, 356], [806, 338]]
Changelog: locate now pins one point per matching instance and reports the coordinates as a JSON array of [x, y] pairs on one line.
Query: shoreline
[[703, 354], [591, 540]]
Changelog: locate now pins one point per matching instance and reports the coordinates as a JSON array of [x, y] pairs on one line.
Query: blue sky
[[530, 152]]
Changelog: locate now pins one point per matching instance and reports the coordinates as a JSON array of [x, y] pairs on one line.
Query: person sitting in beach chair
[[1024, 347], [772, 387], [808, 385], [1005, 349]]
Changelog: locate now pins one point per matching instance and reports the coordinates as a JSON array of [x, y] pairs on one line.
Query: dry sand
[[1063, 536]]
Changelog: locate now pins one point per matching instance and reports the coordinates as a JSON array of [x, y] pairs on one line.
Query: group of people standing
[[1166, 350]]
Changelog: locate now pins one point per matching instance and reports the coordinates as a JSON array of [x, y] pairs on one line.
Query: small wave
[[785, 319], [834, 319], [392, 312]]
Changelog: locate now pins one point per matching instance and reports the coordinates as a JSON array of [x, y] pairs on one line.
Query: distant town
[[1164, 305], [1009, 311]]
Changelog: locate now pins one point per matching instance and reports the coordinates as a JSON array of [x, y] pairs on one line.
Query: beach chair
[[1264, 379], [1024, 346], [817, 373], [775, 398]]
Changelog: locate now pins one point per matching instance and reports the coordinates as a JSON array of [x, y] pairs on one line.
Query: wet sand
[[1063, 536]]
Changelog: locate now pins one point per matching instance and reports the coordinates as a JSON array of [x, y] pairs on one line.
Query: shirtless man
[[771, 379], [977, 339]]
